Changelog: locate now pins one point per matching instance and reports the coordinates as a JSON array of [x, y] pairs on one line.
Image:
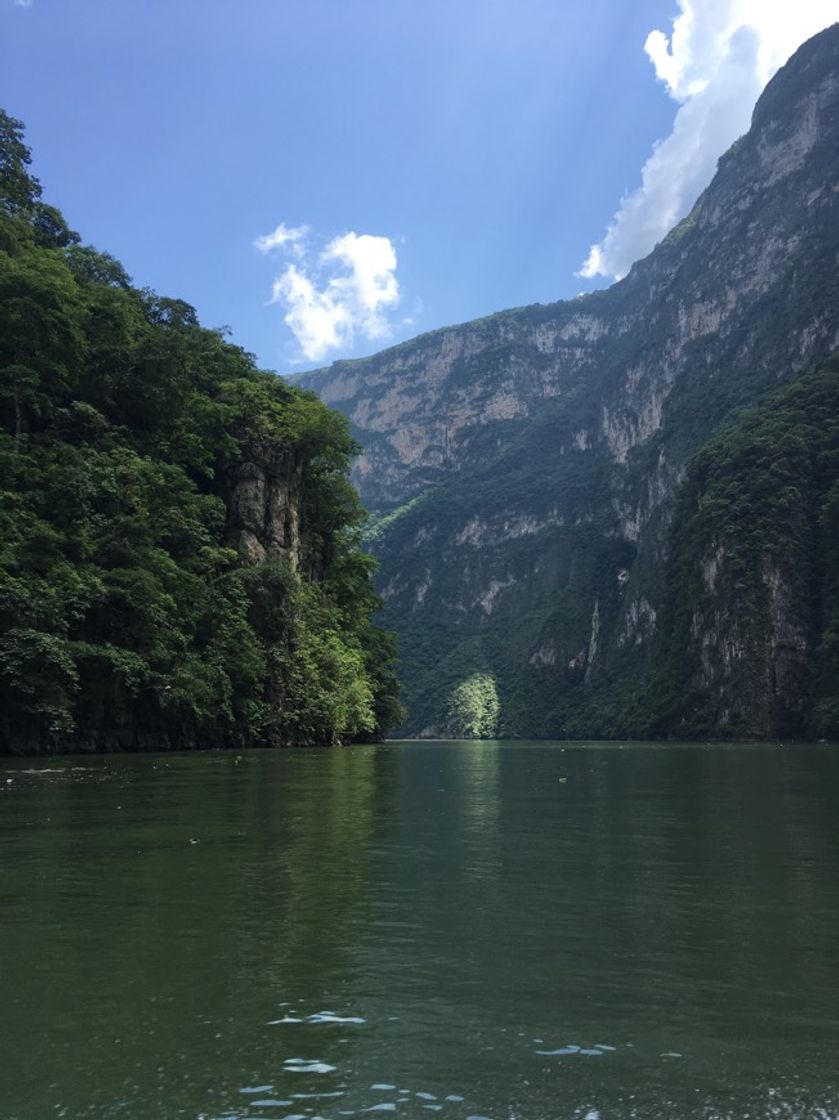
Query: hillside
[[523, 467], [180, 560]]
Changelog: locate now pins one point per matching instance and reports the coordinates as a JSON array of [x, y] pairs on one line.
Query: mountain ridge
[[523, 465]]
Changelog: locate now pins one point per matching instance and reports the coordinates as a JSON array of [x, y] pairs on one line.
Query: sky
[[328, 177]]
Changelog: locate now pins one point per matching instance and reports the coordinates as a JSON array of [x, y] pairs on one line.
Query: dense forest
[[180, 561]]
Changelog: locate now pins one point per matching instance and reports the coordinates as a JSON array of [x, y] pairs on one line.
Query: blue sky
[[425, 161]]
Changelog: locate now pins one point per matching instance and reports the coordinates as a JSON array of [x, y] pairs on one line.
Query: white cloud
[[370, 287], [346, 291], [291, 237], [23, 3], [719, 56]]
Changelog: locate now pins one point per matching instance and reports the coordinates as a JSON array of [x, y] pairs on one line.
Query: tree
[[18, 189]]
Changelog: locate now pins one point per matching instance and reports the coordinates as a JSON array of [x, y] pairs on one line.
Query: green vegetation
[[750, 635], [473, 708], [129, 617], [736, 635]]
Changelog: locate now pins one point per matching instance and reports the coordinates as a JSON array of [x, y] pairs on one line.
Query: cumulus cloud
[[331, 298], [716, 61]]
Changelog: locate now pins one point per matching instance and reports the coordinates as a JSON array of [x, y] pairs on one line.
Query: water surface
[[471, 929]]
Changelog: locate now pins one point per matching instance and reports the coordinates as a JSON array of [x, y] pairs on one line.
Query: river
[[500, 930]]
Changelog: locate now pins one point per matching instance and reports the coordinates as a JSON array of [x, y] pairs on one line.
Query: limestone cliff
[[523, 466], [263, 507]]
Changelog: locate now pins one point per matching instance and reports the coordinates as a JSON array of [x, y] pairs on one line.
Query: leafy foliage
[[127, 619], [474, 708]]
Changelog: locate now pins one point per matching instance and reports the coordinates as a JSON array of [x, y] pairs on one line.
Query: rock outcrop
[[263, 508]]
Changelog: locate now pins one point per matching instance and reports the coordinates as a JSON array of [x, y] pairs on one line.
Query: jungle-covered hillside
[[179, 541]]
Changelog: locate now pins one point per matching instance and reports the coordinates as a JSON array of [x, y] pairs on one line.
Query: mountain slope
[[524, 466], [751, 602], [180, 553]]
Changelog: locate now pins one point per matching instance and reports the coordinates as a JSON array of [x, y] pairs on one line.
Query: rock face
[[522, 467], [263, 508]]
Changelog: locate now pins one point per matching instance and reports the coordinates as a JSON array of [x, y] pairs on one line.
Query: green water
[[671, 911]]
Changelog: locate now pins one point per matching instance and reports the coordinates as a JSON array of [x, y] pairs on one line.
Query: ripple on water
[[307, 1065], [331, 1017], [318, 1017]]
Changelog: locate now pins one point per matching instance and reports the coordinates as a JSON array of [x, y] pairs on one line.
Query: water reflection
[[475, 780], [478, 929]]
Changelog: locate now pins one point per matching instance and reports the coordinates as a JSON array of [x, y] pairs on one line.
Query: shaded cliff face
[[523, 466], [751, 613]]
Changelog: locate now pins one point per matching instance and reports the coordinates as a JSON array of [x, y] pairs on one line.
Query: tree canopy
[[127, 618]]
